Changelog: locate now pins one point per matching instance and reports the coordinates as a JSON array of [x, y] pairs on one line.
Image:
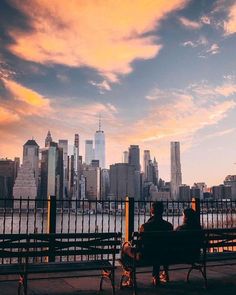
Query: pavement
[[221, 280]]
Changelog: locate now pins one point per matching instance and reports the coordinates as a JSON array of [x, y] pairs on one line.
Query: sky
[[156, 71]]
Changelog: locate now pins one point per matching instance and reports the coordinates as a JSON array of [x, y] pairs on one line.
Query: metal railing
[[88, 216], [33, 216]]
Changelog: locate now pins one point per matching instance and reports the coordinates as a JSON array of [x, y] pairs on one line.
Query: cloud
[[208, 92], [105, 35], [202, 41], [226, 89], [7, 116], [176, 114], [166, 122], [220, 133], [155, 94], [104, 85], [63, 78], [193, 25], [214, 49], [230, 23], [26, 95], [205, 20]]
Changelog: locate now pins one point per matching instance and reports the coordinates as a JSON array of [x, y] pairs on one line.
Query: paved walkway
[[222, 280]]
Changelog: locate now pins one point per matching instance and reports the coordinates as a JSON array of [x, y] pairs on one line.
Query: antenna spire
[[99, 123]]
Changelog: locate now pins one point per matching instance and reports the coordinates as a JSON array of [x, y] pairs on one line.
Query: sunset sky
[[157, 71]]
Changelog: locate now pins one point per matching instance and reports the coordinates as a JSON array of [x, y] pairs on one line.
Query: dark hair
[[157, 208], [190, 216]]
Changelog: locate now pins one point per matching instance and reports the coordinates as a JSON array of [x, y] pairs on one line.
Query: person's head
[[157, 208], [189, 216]]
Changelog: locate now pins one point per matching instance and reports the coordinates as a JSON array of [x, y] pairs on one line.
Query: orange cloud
[[107, 35], [230, 23], [7, 116], [26, 95]]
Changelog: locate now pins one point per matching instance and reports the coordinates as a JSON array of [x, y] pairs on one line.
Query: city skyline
[[156, 73]]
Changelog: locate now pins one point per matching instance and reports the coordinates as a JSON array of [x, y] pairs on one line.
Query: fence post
[[52, 207], [196, 207], [129, 218]]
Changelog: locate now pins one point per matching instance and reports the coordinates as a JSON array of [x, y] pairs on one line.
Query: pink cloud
[[230, 23], [193, 25], [105, 35]]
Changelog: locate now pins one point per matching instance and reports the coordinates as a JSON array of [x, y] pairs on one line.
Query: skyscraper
[[48, 139], [76, 168], [7, 178], [52, 172], [126, 157], [176, 175], [134, 156], [26, 184], [31, 155], [155, 164], [100, 146], [63, 143], [146, 159], [123, 181], [89, 151]]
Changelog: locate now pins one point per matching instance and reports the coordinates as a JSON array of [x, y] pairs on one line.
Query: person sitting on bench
[[154, 223], [190, 221]]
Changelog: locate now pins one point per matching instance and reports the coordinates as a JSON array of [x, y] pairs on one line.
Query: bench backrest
[[176, 247], [169, 247], [15, 248], [220, 239], [74, 246], [12, 248]]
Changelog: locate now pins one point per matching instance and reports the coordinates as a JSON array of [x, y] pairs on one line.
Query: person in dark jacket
[[190, 221], [154, 223]]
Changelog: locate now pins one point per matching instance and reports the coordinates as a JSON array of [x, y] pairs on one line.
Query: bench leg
[[202, 270], [22, 285], [108, 274], [134, 282]]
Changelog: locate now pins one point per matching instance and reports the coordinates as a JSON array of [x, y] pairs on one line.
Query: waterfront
[[69, 221]]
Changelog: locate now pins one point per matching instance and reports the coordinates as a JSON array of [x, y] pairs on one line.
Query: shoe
[[164, 277], [127, 284]]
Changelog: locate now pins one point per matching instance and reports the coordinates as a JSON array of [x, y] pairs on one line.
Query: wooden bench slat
[[68, 266]]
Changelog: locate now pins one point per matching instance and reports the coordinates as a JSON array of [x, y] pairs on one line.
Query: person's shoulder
[[168, 225], [180, 227]]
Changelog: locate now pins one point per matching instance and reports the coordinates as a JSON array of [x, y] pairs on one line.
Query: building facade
[[134, 156], [7, 178], [100, 147], [89, 151], [176, 175], [122, 181]]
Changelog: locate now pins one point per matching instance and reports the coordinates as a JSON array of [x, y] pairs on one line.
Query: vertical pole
[[129, 218], [51, 224], [196, 208]]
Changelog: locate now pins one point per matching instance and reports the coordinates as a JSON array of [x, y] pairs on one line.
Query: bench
[[59, 253], [196, 249]]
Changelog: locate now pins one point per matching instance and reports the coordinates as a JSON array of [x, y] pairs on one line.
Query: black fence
[[32, 216]]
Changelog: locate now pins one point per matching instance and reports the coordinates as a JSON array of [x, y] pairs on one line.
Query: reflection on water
[[70, 222]]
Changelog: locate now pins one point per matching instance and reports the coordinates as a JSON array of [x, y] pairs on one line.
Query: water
[[68, 222]]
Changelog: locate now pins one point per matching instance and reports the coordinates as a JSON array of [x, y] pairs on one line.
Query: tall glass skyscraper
[[146, 160], [134, 156], [100, 147], [89, 151], [176, 175]]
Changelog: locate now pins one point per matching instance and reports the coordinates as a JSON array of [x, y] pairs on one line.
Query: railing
[[88, 216], [34, 216]]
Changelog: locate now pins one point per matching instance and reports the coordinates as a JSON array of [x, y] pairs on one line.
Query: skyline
[[156, 72]]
